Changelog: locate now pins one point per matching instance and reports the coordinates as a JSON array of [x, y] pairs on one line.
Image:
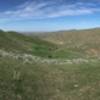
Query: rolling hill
[[53, 66], [16, 42], [86, 42]]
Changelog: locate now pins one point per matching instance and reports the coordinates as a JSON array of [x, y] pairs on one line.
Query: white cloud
[[49, 9]]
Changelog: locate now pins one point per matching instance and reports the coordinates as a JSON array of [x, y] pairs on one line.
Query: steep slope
[[13, 41]]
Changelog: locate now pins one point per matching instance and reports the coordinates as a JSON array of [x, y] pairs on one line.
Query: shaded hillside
[[13, 41]]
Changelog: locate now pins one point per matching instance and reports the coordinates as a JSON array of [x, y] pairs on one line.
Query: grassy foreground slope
[[34, 81], [24, 78]]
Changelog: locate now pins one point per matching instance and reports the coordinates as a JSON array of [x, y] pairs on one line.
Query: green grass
[[12, 41], [45, 81], [20, 81]]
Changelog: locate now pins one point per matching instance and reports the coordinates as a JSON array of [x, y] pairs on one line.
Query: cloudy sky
[[49, 15]]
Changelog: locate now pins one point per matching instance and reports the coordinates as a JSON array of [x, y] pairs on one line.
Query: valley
[[50, 66]]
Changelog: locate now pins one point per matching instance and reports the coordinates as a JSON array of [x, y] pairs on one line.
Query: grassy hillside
[[69, 44], [39, 68], [35, 81], [77, 42], [13, 41]]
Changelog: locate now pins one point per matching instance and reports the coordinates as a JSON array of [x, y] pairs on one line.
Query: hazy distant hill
[[74, 36]]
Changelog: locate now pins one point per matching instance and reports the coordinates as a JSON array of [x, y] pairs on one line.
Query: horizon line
[[72, 29]]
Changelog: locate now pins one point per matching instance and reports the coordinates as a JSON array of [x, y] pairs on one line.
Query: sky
[[49, 15]]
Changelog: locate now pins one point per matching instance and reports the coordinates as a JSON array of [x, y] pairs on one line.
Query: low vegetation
[[39, 68]]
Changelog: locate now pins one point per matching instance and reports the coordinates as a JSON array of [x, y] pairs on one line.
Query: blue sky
[[49, 15]]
